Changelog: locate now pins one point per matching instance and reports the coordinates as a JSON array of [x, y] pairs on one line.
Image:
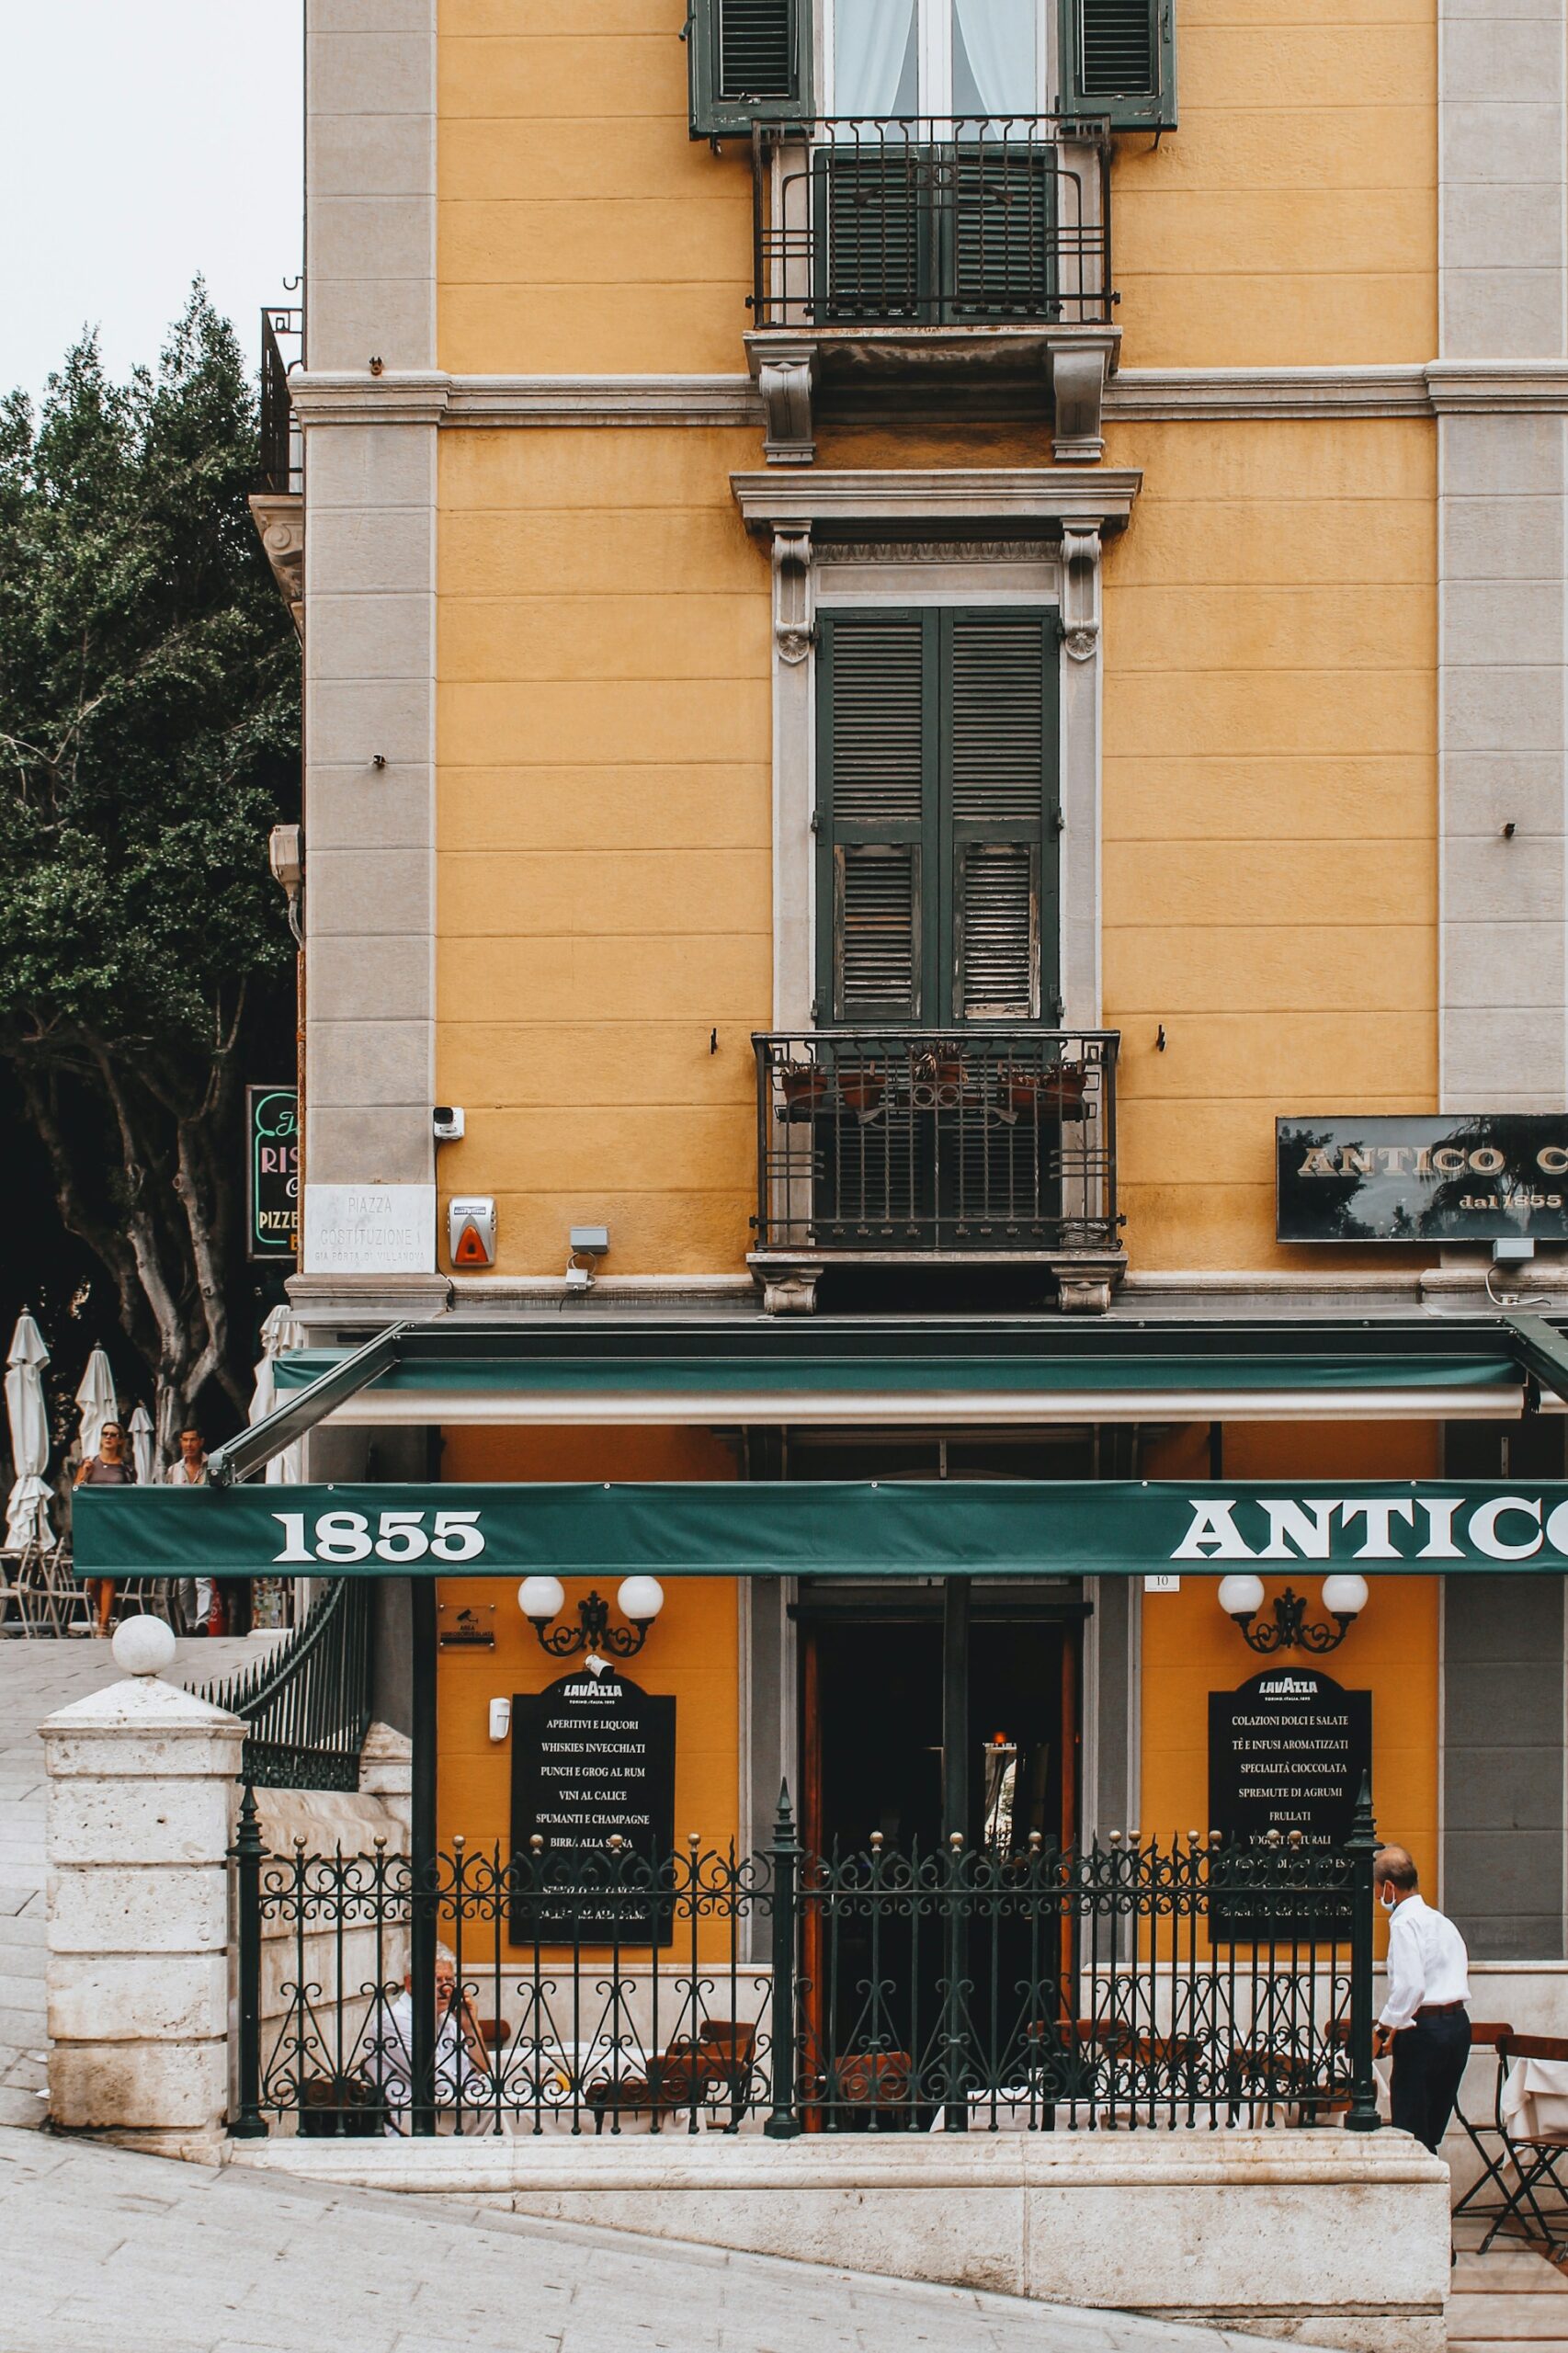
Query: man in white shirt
[[1425, 2020]]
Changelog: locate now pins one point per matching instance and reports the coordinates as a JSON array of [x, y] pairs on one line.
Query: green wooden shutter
[[1119, 59], [999, 677], [877, 746], [873, 233], [936, 816], [1004, 250], [748, 60]]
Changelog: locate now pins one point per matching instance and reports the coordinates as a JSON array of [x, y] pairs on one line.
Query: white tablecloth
[[1535, 2099]]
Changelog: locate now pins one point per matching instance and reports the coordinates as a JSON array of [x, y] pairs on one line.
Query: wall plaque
[[1476, 1176], [593, 1758], [1286, 1753]]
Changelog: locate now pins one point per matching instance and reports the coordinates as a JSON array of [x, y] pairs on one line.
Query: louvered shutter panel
[[996, 951], [873, 233], [1118, 61], [876, 789], [1004, 253], [747, 61], [1001, 728]]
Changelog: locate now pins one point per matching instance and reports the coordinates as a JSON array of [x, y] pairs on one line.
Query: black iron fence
[[930, 220], [885, 1140], [280, 469], [307, 1705], [1131, 1985]]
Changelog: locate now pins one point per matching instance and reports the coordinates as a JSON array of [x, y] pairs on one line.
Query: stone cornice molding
[[1498, 386], [437, 399], [1137, 396], [936, 502], [1160, 395]]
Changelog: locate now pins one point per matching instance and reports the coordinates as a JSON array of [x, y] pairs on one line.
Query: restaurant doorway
[[871, 1720], [874, 1805]]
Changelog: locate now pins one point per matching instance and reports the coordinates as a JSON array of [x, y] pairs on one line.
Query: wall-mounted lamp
[[1344, 1597], [639, 1599]]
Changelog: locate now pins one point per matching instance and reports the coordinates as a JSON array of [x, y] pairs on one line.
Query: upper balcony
[[891, 252], [910, 1148], [277, 502]]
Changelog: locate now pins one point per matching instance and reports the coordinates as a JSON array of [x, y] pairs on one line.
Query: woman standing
[[109, 1467]]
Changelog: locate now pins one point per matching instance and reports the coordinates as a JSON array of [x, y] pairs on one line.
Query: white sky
[[142, 141]]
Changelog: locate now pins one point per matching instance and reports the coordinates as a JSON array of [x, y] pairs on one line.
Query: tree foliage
[[149, 738]]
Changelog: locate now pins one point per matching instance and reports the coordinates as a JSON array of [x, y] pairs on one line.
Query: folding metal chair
[[1475, 2202], [1535, 2158]]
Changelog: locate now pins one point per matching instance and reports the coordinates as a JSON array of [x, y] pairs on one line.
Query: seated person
[[461, 2065]]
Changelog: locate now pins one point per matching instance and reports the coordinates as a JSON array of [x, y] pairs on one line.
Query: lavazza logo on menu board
[[1396, 1527]]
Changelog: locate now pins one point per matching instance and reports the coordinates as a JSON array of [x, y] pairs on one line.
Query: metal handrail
[[307, 1707], [1001, 1138], [280, 471], [925, 219]]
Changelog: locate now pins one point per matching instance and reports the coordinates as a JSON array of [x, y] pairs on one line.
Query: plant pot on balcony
[[939, 1079], [862, 1090], [1059, 1091], [803, 1089]]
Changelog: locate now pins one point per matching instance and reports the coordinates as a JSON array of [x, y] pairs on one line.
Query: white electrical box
[[470, 1230]]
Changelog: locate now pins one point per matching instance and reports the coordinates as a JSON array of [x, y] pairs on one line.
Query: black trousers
[[1428, 2062]]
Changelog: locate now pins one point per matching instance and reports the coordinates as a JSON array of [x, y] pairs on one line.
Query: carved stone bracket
[[785, 379], [1080, 590], [1077, 385], [280, 520], [794, 596], [789, 1291]]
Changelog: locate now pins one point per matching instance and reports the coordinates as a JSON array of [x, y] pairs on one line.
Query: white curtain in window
[[995, 41], [873, 57]]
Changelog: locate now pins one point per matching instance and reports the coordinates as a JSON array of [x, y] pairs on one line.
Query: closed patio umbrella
[[141, 1445], [96, 1402], [27, 1510]]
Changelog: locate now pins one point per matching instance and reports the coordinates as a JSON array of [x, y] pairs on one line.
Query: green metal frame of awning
[[878, 1373]]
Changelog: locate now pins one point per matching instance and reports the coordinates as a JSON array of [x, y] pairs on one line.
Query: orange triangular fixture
[[471, 1250]]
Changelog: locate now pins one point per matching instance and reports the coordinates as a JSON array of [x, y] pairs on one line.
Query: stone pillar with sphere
[[143, 1794]]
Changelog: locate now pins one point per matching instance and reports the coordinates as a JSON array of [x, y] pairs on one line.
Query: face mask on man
[[1387, 1899]]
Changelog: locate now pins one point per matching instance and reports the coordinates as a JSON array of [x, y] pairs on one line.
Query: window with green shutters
[[936, 816], [1118, 61], [748, 60]]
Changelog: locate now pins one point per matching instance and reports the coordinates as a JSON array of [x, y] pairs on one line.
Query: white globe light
[[541, 1597], [143, 1646], [641, 1599], [1241, 1596], [1344, 1597]]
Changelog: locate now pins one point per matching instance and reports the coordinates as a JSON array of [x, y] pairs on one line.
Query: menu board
[[1287, 1752], [593, 1760]]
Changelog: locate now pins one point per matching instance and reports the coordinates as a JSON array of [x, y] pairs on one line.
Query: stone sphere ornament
[[143, 1646]]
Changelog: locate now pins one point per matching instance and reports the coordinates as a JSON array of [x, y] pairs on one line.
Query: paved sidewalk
[[107, 2249], [34, 1680]]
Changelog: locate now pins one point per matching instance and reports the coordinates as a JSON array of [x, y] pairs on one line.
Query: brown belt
[[1438, 2009]]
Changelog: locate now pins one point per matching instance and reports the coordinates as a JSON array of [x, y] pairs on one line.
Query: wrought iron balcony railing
[[872, 1142], [932, 221], [281, 469]]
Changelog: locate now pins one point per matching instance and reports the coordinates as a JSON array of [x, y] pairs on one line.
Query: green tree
[[149, 738]]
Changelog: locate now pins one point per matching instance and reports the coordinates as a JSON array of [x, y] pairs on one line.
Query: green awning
[[860, 1529], [877, 1373], [880, 1387]]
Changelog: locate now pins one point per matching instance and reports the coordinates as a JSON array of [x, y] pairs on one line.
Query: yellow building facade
[[685, 464]]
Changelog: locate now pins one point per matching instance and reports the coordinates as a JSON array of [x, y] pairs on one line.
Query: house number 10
[[342, 1536]]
